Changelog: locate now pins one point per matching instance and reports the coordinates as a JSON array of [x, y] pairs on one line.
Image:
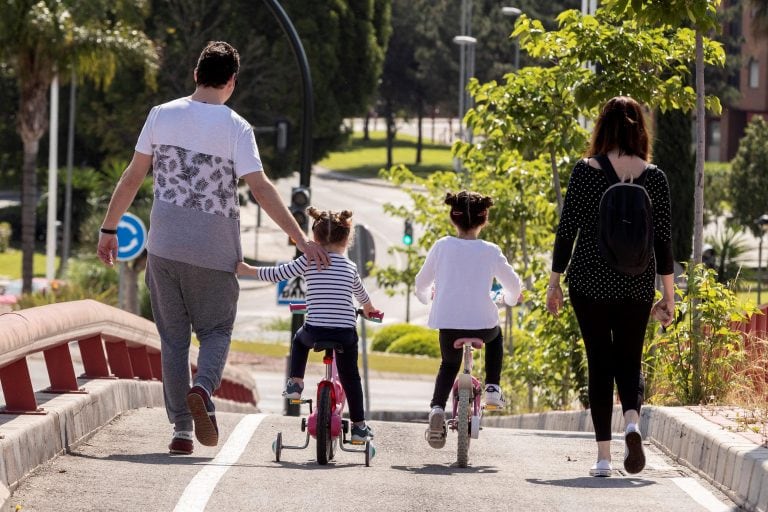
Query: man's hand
[[107, 249], [315, 253]]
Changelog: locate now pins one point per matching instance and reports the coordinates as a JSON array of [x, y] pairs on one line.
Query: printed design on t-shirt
[[195, 180]]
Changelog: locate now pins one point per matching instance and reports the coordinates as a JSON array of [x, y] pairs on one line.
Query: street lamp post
[[514, 12], [466, 71], [762, 224]]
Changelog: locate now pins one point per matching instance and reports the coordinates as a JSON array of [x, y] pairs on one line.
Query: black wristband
[[108, 231]]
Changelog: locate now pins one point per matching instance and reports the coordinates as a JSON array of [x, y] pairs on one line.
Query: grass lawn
[[364, 158], [377, 361], [10, 264]]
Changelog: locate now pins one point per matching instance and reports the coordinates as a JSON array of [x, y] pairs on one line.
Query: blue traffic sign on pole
[[131, 237]]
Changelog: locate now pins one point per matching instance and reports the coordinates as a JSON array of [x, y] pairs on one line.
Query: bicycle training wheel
[[277, 446], [324, 440], [462, 426]]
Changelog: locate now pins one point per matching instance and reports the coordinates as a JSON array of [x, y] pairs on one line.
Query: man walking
[[198, 149]]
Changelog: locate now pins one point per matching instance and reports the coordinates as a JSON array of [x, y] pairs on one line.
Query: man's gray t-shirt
[[199, 152]]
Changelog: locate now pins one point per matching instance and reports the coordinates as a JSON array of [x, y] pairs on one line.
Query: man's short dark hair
[[217, 63]]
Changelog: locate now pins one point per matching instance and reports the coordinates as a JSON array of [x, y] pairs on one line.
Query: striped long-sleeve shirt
[[329, 292]]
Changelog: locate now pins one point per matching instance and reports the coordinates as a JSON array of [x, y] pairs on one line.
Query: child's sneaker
[[436, 433], [493, 396], [634, 457], [602, 468], [361, 434], [293, 389], [181, 443]]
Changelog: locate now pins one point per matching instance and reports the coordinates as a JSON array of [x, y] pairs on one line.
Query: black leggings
[[346, 362], [452, 359], [613, 336]]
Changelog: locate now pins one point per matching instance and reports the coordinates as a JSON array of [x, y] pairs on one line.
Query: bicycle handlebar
[[301, 309]]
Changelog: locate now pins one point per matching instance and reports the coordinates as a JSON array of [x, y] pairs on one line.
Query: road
[[125, 467]]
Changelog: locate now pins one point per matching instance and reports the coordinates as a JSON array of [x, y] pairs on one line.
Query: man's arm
[[266, 195], [122, 197]]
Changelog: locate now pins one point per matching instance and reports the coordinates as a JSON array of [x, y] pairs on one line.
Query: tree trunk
[[698, 197], [28, 212], [698, 216], [390, 122], [33, 107], [556, 181], [366, 134], [420, 140]]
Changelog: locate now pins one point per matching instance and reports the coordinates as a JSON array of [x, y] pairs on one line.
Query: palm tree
[[38, 39]]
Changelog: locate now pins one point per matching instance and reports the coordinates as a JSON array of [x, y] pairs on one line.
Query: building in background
[[751, 80]]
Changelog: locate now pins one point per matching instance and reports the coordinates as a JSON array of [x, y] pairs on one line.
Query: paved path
[[126, 468]]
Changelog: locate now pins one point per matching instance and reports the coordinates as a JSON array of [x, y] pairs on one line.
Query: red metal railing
[[112, 343], [755, 330]]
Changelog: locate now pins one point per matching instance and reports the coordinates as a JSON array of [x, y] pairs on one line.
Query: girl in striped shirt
[[331, 312]]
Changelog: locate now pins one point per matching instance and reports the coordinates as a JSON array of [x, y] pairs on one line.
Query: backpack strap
[[613, 177], [608, 170]]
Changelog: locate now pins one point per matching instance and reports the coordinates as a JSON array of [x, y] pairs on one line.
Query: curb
[[29, 440]]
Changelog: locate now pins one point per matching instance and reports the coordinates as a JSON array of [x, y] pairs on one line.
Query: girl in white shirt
[[458, 274]]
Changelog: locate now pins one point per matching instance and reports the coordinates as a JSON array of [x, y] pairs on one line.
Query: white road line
[[701, 495], [200, 488]]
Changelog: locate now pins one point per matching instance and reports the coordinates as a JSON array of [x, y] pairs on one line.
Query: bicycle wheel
[[462, 428], [324, 440]]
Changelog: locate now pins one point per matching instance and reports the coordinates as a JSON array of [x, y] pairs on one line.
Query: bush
[[423, 343], [388, 334], [5, 236]]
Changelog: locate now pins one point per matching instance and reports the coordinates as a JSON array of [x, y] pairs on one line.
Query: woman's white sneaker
[[634, 457], [601, 468]]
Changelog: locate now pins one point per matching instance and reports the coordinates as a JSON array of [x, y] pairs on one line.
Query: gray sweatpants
[[186, 297]]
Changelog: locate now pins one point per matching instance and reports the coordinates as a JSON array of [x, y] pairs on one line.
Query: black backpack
[[625, 222]]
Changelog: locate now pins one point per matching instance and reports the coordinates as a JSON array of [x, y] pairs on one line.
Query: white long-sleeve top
[[462, 272]]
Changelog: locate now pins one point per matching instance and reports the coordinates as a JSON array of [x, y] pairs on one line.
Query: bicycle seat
[[475, 342], [328, 345]]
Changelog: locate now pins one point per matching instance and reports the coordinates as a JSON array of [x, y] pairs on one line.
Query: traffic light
[[408, 232], [299, 201]]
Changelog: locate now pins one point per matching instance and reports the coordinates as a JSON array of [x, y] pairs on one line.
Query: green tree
[[672, 153], [702, 14], [749, 175], [40, 39]]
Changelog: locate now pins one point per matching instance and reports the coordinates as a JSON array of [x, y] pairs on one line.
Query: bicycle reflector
[[408, 232]]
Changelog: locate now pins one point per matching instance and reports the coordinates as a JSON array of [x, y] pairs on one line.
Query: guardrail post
[[61, 372], [156, 363], [140, 362], [119, 359], [17, 388], [94, 360]]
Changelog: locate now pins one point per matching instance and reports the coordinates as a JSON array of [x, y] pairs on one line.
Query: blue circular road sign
[[131, 237]]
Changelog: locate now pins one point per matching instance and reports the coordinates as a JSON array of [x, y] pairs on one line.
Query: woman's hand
[[664, 311], [554, 299]]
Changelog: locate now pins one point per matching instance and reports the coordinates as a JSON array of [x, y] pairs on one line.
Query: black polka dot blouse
[[589, 275]]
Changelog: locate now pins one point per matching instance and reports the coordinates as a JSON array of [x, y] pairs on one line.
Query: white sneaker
[[493, 396], [601, 468], [436, 433], [634, 457]]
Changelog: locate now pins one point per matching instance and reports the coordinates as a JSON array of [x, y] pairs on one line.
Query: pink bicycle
[[467, 406], [325, 423]]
